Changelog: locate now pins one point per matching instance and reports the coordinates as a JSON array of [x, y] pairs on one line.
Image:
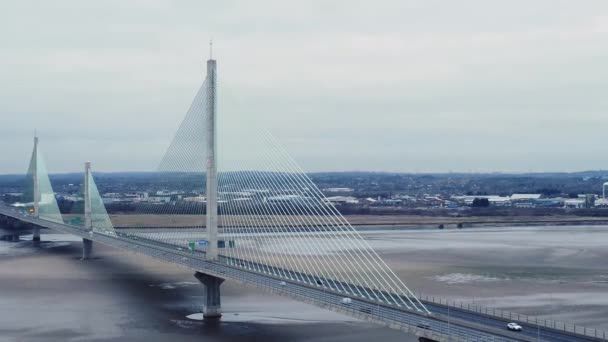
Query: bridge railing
[[510, 316]]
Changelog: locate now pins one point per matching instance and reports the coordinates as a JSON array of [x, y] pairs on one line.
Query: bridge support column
[[211, 192], [87, 249], [87, 245], [212, 308], [36, 234]]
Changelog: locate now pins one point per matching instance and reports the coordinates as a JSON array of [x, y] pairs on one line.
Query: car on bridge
[[514, 326]]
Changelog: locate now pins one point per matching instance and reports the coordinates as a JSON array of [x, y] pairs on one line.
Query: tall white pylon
[[35, 178], [88, 222], [212, 243]]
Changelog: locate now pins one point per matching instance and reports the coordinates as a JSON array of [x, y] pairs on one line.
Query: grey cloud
[[385, 85]]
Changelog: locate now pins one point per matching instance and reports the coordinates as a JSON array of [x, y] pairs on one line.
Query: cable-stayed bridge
[[263, 223]]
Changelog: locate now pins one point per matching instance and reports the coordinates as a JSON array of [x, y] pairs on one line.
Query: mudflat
[[554, 272], [48, 294]]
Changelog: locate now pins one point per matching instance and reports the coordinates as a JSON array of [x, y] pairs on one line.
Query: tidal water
[[48, 294]]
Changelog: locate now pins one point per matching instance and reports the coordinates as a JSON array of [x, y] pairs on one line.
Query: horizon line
[[343, 171]]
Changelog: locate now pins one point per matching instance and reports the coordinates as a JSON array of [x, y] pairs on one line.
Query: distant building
[[136, 196], [556, 202], [601, 203], [429, 201], [500, 201], [73, 198], [338, 190], [575, 203], [111, 195], [159, 199], [525, 197], [342, 200], [524, 204], [495, 200], [525, 200], [196, 199], [168, 192], [450, 205], [388, 202]]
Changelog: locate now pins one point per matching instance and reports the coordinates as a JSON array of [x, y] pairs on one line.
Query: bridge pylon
[[211, 192], [212, 308], [87, 245], [36, 195]]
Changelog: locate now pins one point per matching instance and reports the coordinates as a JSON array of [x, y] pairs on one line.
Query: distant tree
[[9, 199], [480, 203]]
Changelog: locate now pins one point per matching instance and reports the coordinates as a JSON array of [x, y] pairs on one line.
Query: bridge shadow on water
[[156, 299]]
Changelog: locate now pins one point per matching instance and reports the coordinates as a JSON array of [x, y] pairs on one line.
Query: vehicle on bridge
[[514, 326]]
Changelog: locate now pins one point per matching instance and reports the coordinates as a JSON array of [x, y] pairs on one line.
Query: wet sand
[[556, 273], [47, 294]]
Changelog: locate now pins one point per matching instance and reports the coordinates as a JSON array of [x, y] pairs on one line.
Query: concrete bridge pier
[[87, 249], [212, 309], [36, 234]]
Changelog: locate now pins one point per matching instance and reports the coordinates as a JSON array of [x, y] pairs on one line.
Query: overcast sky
[[344, 85]]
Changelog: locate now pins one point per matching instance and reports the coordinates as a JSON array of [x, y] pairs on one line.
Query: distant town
[[352, 192]]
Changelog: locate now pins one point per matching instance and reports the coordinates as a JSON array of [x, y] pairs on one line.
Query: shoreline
[[400, 226], [364, 222], [475, 221]]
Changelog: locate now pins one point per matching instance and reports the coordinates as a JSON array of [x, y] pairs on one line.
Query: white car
[[283, 283], [346, 300], [514, 326]]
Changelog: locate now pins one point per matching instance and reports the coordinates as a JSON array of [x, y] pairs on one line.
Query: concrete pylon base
[[87, 249], [212, 305], [36, 234]]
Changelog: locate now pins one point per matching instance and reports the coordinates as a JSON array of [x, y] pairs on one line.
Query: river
[[48, 294]]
